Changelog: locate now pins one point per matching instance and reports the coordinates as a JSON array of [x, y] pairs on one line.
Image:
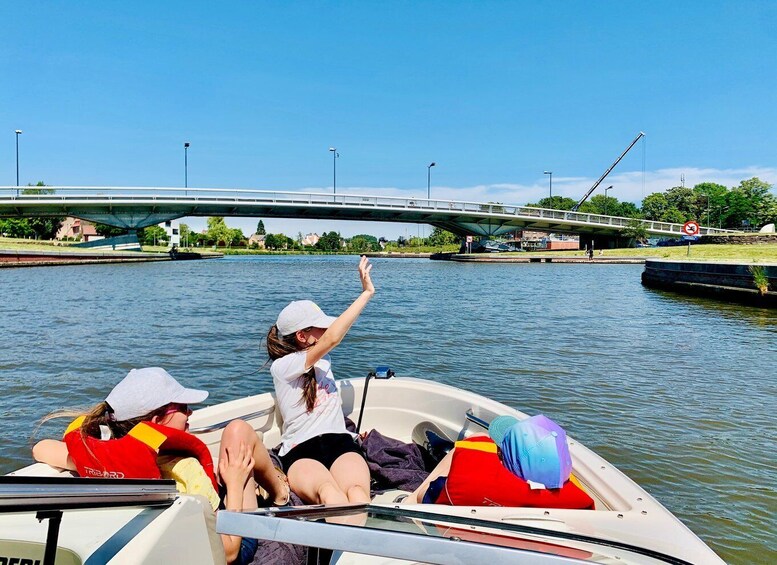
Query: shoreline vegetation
[[760, 253]]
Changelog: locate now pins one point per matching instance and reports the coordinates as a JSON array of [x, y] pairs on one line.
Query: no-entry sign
[[691, 228]]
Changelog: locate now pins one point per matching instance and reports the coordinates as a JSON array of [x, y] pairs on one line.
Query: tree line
[[750, 204]]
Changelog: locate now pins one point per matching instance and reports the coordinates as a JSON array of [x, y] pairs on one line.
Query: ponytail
[[309, 389], [280, 346], [102, 415]]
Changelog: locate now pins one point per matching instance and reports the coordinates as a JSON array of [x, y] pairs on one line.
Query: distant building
[[544, 241], [173, 230], [310, 239], [257, 239], [77, 229]]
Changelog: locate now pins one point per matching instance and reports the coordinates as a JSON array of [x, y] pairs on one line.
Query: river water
[[679, 393]]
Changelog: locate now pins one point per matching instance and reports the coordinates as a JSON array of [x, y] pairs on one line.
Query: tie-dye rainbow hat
[[534, 449]]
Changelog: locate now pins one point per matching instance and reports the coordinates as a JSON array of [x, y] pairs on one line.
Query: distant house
[[173, 230], [311, 239], [257, 239], [77, 229]]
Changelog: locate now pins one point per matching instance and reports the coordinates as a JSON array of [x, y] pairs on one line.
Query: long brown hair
[[280, 346], [102, 415]]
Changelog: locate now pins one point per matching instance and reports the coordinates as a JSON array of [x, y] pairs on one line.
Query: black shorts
[[325, 449]]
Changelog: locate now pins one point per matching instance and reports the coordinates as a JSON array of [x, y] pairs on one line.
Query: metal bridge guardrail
[[193, 196]]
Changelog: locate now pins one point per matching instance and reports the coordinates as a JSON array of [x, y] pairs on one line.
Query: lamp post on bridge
[[605, 198], [550, 186], [429, 180], [186, 165], [335, 155], [18, 133], [428, 186]]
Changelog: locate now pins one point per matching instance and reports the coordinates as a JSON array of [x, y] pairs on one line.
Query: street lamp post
[[550, 186], [605, 198], [429, 180], [335, 155], [720, 210], [186, 164], [18, 133]]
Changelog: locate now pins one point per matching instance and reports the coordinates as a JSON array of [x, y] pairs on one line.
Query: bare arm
[[336, 332], [54, 453]]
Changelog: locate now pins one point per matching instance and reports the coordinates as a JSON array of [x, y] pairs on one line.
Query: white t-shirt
[[298, 424]]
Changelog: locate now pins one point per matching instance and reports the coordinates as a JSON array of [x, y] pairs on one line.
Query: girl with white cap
[[145, 417], [324, 463]]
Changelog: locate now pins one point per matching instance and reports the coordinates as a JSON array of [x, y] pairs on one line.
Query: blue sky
[[493, 92]]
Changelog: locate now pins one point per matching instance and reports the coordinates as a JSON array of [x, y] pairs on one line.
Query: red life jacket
[[134, 455], [478, 478]]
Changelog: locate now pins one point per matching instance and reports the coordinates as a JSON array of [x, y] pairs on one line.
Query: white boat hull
[[399, 408]]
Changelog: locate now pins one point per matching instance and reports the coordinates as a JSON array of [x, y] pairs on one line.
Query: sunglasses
[[174, 407]]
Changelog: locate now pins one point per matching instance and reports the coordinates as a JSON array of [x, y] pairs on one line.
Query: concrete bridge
[[135, 208]]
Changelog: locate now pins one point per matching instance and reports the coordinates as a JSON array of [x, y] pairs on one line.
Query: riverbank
[[754, 253], [11, 258], [745, 253], [535, 258]]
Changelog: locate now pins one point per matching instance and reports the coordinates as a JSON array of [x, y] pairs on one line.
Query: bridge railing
[[139, 195]]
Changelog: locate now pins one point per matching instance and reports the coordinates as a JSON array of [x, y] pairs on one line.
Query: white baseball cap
[[145, 390], [302, 314]]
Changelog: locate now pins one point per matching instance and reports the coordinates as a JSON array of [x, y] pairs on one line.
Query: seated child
[[522, 463], [141, 431]]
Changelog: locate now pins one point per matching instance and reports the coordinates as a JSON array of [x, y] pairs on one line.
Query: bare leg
[[441, 470], [353, 476], [264, 471], [314, 484]]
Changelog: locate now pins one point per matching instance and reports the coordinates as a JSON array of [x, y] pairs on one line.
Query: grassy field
[[13, 244], [34, 245]]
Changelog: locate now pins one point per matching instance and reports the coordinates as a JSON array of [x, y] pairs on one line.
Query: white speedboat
[[115, 521]]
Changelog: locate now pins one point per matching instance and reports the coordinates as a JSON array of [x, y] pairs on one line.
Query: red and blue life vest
[[134, 455], [478, 478]]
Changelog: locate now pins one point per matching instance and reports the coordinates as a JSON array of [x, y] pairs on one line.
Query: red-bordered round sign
[[691, 228]]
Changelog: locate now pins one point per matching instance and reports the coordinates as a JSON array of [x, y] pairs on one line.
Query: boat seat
[[393, 496]]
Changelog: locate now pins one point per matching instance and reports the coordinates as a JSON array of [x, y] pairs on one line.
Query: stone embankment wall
[[740, 239], [726, 281]]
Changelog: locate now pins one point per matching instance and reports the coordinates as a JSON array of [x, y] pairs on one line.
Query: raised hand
[[364, 273]]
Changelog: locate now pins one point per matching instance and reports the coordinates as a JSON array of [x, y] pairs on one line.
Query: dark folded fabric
[[393, 464]]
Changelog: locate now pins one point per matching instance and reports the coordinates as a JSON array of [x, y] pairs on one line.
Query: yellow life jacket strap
[[148, 435], [75, 424], [487, 446]]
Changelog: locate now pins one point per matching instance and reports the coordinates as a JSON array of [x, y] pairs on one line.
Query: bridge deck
[[133, 207]]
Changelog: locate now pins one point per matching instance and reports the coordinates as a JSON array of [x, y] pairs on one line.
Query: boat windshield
[[402, 533]]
